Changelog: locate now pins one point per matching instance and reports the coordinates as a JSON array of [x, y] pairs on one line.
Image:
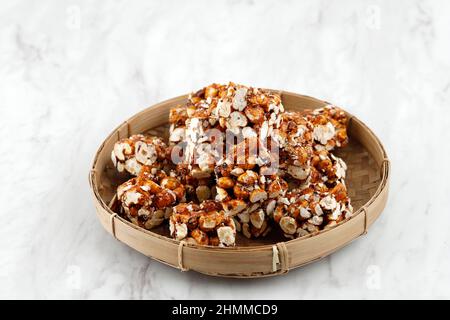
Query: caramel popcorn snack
[[312, 209], [147, 199], [330, 127], [203, 223], [139, 150]]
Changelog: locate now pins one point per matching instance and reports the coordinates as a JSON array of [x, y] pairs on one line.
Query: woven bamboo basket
[[367, 181]]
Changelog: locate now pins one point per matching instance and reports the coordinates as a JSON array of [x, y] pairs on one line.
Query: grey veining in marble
[[70, 71]]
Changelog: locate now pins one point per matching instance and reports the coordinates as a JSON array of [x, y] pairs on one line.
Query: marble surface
[[70, 71]]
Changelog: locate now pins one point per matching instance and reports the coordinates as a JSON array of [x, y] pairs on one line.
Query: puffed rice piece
[[330, 168], [250, 219], [145, 202], [198, 151], [235, 107], [330, 127], [295, 130], [206, 224], [131, 154], [245, 195], [246, 186], [312, 209], [195, 165], [294, 137], [199, 184]]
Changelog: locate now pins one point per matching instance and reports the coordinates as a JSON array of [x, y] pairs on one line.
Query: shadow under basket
[[367, 182]]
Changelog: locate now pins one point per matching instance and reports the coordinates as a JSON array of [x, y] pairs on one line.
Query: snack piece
[[204, 224], [177, 120], [195, 157], [330, 127], [193, 153], [330, 168], [296, 145], [139, 150], [306, 136], [243, 111], [252, 221], [199, 185], [244, 194], [312, 209], [235, 107], [275, 186], [295, 130], [178, 115], [145, 202]]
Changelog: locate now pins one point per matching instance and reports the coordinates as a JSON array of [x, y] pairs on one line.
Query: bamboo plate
[[367, 181]]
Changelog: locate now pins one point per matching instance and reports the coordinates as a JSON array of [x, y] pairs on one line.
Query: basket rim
[[385, 171]]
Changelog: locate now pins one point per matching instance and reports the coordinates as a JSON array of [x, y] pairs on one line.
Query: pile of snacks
[[236, 161]]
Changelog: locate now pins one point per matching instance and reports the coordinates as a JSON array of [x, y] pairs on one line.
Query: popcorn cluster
[[147, 199], [132, 153], [204, 223], [236, 161]]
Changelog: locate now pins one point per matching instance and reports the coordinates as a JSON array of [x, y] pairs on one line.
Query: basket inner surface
[[363, 179]]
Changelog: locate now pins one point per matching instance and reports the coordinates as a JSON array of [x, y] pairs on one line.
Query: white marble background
[[70, 71]]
